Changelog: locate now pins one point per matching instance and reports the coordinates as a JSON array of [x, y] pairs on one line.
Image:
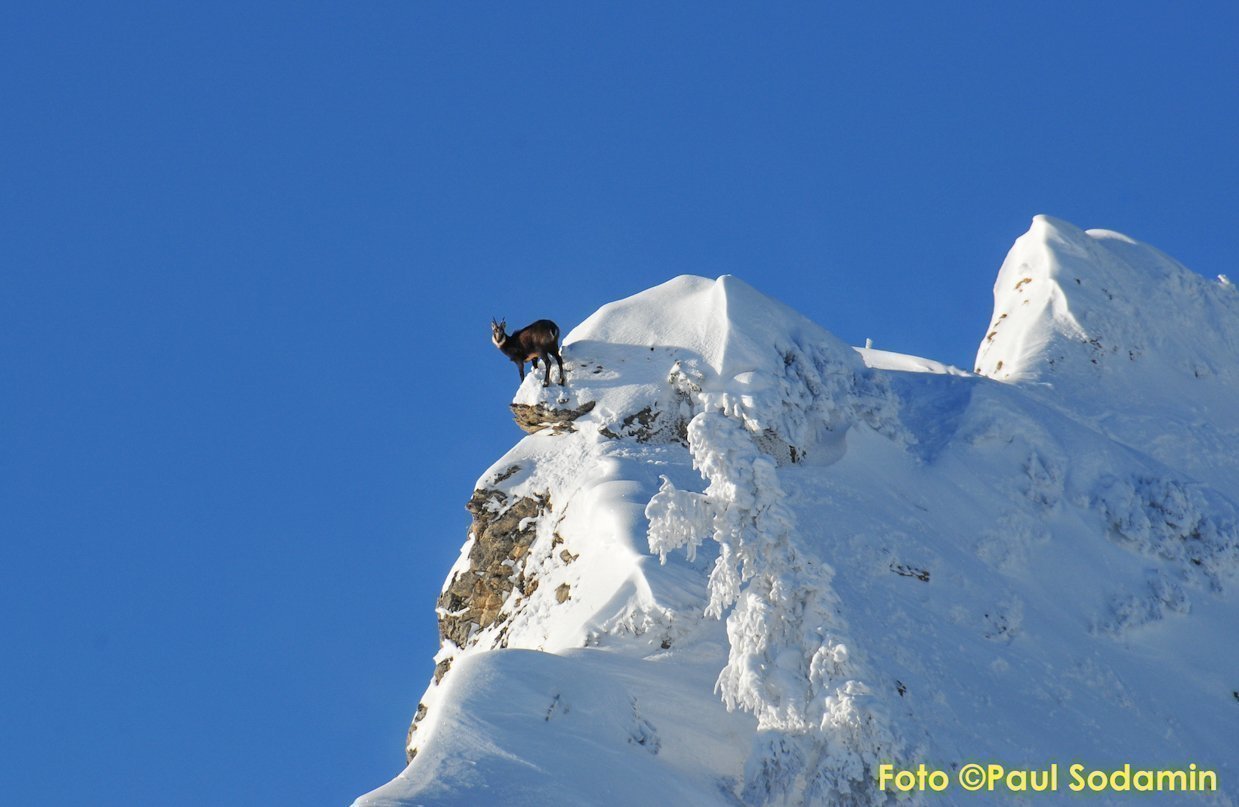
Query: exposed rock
[[769, 441], [649, 426], [536, 417], [441, 669], [409, 750], [904, 570], [508, 473], [502, 532], [562, 594]]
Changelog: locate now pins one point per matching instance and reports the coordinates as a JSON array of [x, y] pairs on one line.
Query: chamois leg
[[546, 363], [534, 362], [520, 366], [560, 360]]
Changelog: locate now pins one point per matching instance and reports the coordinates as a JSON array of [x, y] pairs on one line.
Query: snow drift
[[753, 563]]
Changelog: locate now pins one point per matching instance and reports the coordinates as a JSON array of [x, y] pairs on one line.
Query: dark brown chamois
[[538, 340]]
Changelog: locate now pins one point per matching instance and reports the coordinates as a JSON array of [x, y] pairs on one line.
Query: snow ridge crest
[[1072, 306]]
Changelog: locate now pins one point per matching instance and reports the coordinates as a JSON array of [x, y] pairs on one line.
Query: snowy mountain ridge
[[747, 563], [1102, 319]]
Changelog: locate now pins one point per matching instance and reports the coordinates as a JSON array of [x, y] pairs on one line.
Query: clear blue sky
[[249, 253]]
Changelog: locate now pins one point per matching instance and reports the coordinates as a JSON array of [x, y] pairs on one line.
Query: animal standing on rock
[[538, 340]]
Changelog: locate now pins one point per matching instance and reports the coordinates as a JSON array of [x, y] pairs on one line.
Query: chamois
[[536, 340]]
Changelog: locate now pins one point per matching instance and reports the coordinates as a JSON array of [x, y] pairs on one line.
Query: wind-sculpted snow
[[1126, 338], [757, 563], [1191, 535], [1081, 305]]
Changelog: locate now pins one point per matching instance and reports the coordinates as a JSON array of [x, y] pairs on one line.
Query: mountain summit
[[1126, 338], [739, 561]]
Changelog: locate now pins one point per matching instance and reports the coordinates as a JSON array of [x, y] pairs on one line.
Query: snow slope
[[764, 563]]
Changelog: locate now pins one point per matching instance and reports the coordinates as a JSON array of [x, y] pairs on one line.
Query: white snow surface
[[788, 561], [1124, 336]]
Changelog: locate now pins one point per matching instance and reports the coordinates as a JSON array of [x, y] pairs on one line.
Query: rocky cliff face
[[501, 535], [736, 560], [499, 572], [495, 579]]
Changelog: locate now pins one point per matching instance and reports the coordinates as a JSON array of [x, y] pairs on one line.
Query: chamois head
[[498, 331]]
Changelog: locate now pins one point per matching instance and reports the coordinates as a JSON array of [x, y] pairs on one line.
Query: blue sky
[[249, 254]]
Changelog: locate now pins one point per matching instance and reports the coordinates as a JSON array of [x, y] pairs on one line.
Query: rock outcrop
[[502, 531], [536, 417]]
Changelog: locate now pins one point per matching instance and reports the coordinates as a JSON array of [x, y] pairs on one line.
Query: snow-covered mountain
[[738, 561]]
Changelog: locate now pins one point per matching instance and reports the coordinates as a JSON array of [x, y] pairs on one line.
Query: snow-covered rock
[[746, 563]]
